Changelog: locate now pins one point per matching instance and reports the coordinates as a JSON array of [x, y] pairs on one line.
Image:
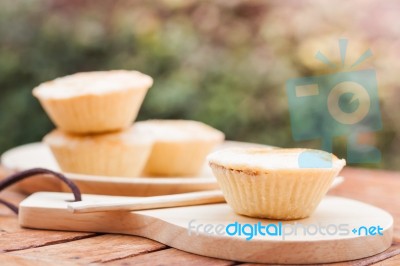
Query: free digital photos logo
[[283, 231], [344, 103]]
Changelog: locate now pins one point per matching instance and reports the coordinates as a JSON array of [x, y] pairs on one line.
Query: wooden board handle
[[146, 203]]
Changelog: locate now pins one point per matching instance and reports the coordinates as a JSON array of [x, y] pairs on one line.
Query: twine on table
[[17, 177]]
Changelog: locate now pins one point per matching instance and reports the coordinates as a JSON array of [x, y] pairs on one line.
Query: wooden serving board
[[48, 210]]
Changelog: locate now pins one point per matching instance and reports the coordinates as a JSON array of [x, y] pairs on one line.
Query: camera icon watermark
[[339, 104]]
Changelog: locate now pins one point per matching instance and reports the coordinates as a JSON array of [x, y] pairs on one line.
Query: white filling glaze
[[178, 130], [92, 83], [264, 158]]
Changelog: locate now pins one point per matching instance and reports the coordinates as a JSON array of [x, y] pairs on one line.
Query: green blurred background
[[221, 62]]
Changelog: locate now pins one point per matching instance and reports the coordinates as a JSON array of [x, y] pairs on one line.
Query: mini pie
[[94, 102], [180, 146], [269, 183], [120, 154]]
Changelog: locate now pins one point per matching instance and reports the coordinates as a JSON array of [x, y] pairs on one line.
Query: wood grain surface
[[40, 247]]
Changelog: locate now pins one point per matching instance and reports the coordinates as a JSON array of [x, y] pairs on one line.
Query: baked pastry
[[272, 183], [180, 146], [121, 154], [94, 102]]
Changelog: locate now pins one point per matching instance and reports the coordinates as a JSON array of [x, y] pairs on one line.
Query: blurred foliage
[[221, 62]]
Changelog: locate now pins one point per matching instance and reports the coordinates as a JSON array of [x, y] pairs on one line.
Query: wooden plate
[[39, 155], [320, 238]]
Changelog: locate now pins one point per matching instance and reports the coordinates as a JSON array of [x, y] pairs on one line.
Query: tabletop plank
[[394, 261], [172, 257], [9, 260], [98, 249], [13, 237], [377, 187], [393, 251]]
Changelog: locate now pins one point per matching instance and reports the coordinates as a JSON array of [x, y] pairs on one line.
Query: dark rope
[[9, 205], [12, 179]]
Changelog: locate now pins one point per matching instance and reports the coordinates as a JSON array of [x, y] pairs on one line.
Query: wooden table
[[40, 247]]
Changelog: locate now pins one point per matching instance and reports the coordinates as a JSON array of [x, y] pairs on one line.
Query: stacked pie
[[94, 114]]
